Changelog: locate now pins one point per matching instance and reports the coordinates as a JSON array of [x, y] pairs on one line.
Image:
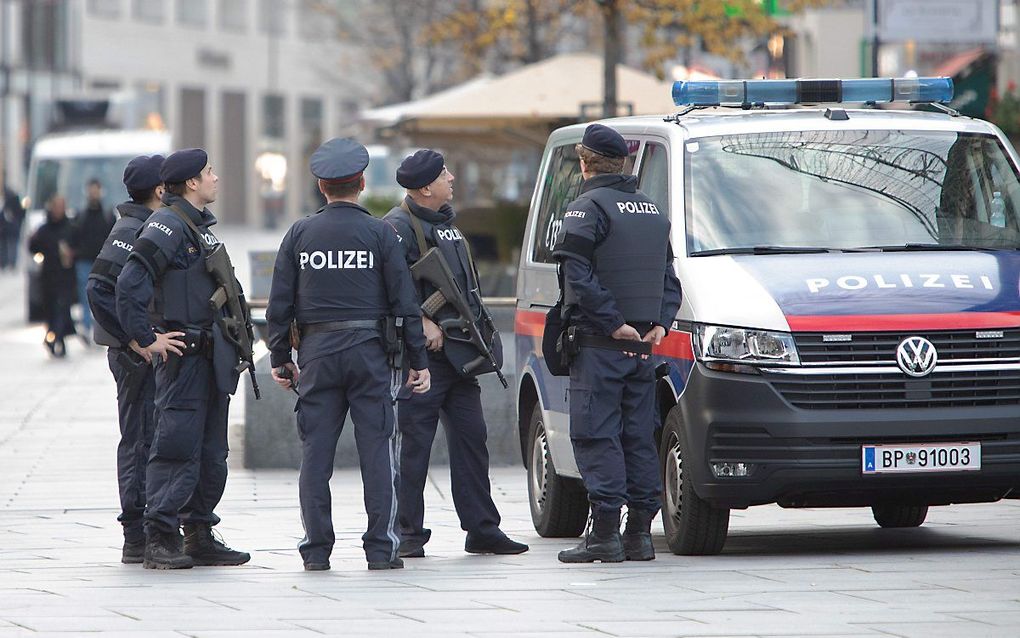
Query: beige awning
[[556, 89]]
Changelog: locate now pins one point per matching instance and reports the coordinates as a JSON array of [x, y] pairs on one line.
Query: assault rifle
[[462, 328], [236, 323]]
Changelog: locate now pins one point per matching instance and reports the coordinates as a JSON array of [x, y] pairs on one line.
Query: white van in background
[[64, 163]]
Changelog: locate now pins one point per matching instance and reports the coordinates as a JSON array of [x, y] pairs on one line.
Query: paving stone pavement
[[829, 573]]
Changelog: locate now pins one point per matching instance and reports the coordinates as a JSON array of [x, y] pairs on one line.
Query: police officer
[[339, 274], [619, 287], [196, 368], [136, 383], [454, 398]]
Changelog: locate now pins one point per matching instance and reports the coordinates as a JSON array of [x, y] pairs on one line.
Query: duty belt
[[309, 329], [608, 343]]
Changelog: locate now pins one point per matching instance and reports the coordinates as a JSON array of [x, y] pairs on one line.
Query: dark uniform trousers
[[612, 425], [457, 401], [187, 468], [356, 379], [137, 422]]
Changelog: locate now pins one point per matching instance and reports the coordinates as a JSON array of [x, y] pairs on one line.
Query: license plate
[[924, 457]]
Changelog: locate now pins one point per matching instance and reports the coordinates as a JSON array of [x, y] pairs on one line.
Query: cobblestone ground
[[783, 572]]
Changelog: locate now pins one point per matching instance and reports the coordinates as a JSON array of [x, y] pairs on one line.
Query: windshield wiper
[[762, 250], [923, 247]]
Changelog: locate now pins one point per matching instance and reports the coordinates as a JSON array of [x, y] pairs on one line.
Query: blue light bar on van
[[747, 92]]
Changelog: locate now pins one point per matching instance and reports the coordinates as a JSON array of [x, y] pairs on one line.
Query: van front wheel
[[693, 527], [559, 505]]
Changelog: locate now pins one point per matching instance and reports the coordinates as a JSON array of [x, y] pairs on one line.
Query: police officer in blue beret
[[135, 380], [195, 366], [425, 220], [340, 277], [619, 288]]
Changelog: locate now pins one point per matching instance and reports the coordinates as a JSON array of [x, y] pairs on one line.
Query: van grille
[[896, 390], [872, 347]]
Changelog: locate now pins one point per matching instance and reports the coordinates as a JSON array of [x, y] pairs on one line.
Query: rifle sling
[[423, 246], [187, 220]]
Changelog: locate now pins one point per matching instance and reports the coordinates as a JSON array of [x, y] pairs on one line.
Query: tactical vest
[[340, 274], [630, 261], [455, 250], [111, 260], [182, 294]]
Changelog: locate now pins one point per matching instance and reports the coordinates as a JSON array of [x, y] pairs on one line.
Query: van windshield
[[844, 190], [70, 176]]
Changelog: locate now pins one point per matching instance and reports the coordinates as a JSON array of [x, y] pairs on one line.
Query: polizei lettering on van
[[860, 282], [337, 259]]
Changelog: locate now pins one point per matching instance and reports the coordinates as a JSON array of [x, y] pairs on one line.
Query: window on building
[[233, 15], [271, 163], [147, 10], [104, 8], [272, 17], [273, 122], [44, 35], [193, 13], [311, 137]]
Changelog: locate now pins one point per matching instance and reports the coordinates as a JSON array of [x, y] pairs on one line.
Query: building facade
[[258, 83]]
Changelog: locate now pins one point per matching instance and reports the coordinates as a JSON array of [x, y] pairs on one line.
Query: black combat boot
[[133, 552], [637, 535], [163, 551], [209, 551], [396, 563], [601, 541]]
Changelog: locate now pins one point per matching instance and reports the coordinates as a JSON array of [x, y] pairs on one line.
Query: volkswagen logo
[[916, 356]]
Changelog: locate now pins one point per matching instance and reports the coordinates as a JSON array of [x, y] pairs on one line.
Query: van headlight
[[743, 345]]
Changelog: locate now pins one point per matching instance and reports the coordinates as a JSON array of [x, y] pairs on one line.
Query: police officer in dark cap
[[340, 276], [619, 288], [196, 367], [136, 384], [425, 220]]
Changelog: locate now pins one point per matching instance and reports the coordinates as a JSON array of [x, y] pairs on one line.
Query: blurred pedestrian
[[11, 217], [136, 381], [91, 228], [52, 241]]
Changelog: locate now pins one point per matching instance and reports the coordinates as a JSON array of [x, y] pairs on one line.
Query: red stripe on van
[[529, 323], [876, 323]]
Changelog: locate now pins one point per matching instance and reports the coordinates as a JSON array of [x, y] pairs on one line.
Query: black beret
[[183, 165], [339, 160], [142, 173], [421, 169], [604, 141]]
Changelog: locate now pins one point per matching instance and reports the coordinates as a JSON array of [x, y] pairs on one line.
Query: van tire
[[559, 505], [893, 516], [693, 526]]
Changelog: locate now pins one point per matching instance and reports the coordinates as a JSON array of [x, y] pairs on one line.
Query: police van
[[850, 327]]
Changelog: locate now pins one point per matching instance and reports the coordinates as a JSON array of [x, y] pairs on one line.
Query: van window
[[653, 178], [562, 185], [850, 190], [69, 177]]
